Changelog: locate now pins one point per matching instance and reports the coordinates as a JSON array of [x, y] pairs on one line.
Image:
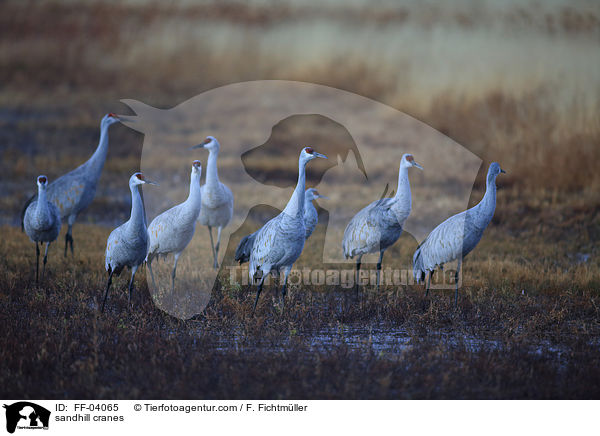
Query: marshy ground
[[528, 320]]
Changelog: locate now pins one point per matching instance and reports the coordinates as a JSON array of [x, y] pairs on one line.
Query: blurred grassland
[[514, 82]]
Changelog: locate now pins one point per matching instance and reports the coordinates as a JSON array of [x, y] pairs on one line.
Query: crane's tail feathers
[[418, 267], [33, 197], [244, 248]]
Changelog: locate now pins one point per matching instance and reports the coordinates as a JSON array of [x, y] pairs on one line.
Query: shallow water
[[385, 342]]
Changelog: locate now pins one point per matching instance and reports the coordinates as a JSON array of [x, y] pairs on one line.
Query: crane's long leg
[[379, 267], [212, 245], [174, 269], [358, 259], [133, 271], [45, 259], [69, 239], [216, 265], [37, 262], [149, 263], [429, 276], [110, 275], [286, 273], [260, 285], [456, 281]]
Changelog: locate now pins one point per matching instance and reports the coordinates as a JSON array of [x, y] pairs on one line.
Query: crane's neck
[[295, 207], [96, 162], [487, 205], [212, 177], [42, 202], [308, 202], [403, 196], [194, 196], [137, 221]]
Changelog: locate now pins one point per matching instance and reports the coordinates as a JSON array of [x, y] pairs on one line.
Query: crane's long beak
[[322, 196], [414, 164], [319, 155], [201, 145], [151, 182], [502, 171]]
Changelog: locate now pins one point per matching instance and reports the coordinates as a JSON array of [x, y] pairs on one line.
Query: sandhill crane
[[41, 222], [217, 199], [172, 230], [279, 243], [457, 236], [127, 245], [379, 225], [74, 191], [311, 218]]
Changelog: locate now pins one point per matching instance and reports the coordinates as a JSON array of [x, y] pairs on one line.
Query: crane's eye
[[309, 150], [196, 163], [410, 158], [112, 115], [140, 176], [42, 180]]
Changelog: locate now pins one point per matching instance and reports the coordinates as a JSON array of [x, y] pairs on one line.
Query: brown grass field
[[513, 82]]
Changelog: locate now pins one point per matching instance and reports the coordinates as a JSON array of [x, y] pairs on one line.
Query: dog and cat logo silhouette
[[26, 415]]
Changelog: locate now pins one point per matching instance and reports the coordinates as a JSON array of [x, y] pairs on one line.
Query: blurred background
[[513, 81]]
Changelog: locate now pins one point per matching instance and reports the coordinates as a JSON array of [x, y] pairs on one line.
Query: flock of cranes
[[272, 249]]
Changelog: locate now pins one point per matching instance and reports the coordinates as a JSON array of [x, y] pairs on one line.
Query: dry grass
[[499, 343]]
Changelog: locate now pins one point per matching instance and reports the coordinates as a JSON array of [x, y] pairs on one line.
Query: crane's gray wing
[[363, 232], [112, 247], [244, 248], [311, 218], [27, 203], [444, 243], [67, 191], [172, 230], [265, 251]]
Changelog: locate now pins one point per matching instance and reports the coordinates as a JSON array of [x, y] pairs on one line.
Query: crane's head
[[312, 194], [140, 179], [196, 167], [495, 169], [210, 143], [309, 154], [109, 119], [42, 181], [409, 161]]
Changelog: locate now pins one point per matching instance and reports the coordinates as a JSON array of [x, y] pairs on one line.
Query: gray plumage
[[279, 243], [458, 235], [217, 198], [41, 222], [311, 218], [244, 248], [172, 230], [74, 191], [127, 245], [377, 226]]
